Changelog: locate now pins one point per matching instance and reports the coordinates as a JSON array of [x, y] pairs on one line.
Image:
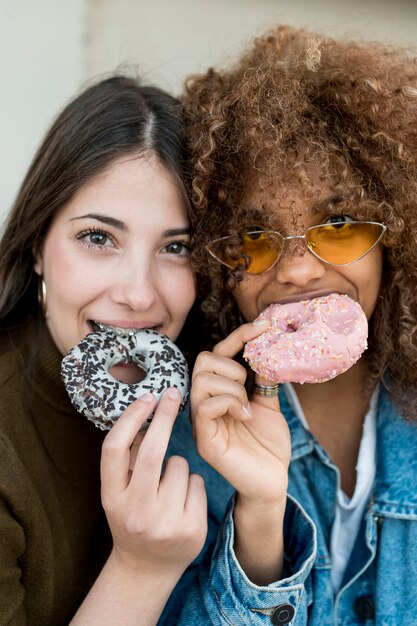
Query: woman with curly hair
[[305, 131]]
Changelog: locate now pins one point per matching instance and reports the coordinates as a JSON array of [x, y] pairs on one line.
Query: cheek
[[178, 298], [68, 276], [245, 296], [369, 300], [369, 281], [190, 291], [181, 291]]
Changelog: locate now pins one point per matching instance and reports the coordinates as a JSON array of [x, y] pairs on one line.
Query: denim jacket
[[380, 583]]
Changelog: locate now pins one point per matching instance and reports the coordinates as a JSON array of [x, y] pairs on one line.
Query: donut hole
[[292, 327], [128, 373]]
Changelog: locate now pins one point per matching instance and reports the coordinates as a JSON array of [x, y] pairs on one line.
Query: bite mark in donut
[[101, 398], [310, 341]]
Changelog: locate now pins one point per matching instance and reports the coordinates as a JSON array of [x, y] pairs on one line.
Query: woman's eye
[[339, 219], [96, 238], [178, 248]]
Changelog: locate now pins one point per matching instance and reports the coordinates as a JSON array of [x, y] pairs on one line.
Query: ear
[[38, 260]]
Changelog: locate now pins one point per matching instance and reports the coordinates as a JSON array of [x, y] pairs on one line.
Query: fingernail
[[173, 393], [260, 322], [147, 397], [247, 411]]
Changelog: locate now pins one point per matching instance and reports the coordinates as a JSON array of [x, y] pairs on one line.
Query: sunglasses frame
[[303, 237]]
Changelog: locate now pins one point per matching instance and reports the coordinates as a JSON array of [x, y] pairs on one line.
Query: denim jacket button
[[282, 614], [364, 607]]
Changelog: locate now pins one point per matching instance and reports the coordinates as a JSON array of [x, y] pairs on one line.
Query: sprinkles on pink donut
[[310, 341]]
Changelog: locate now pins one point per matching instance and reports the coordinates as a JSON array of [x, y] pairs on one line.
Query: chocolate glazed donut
[[102, 398]]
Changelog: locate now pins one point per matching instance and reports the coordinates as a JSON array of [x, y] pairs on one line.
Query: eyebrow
[[112, 221], [328, 202], [252, 213], [105, 219], [174, 232]]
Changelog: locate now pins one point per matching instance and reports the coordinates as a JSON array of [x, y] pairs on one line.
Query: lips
[[308, 296]]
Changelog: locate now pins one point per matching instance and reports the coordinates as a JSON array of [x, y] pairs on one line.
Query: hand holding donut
[[158, 522], [246, 441]]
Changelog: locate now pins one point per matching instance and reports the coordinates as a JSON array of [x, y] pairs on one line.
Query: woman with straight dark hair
[[99, 234]]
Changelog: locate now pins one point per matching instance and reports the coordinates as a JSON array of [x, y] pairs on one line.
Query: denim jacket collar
[[395, 493]]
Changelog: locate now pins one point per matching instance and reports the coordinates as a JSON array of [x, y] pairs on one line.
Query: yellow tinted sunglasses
[[338, 243]]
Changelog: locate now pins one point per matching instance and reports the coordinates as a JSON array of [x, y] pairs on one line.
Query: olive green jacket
[[53, 535]]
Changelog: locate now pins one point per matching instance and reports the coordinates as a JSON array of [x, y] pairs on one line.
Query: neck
[[335, 411], [350, 390]]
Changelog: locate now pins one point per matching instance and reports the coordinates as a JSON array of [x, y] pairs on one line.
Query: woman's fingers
[[195, 509], [210, 409], [173, 486], [196, 501], [158, 520], [217, 374], [181, 491], [210, 384], [236, 341], [146, 473], [134, 448], [115, 456], [150, 447], [270, 400], [182, 503], [209, 362]]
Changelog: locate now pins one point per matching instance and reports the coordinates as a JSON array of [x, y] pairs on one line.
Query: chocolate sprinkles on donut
[[101, 398]]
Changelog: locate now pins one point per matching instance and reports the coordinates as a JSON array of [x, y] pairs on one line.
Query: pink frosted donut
[[310, 341]]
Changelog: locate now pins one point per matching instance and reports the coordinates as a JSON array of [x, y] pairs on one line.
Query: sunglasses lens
[[255, 251], [343, 242]]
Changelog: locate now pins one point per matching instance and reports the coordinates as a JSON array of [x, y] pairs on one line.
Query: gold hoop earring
[[42, 296]]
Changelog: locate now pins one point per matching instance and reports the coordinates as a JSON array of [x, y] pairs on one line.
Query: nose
[[134, 286], [297, 265]]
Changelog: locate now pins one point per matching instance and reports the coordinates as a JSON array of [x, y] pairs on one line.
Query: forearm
[[259, 540], [127, 597]]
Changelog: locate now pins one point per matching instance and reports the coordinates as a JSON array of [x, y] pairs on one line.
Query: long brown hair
[[113, 118]]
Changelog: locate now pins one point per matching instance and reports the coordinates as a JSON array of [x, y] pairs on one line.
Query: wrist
[[250, 513], [144, 572], [259, 539], [126, 594], [259, 505]]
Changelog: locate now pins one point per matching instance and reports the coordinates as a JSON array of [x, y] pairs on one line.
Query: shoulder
[[10, 347], [10, 370], [13, 356], [395, 491], [15, 345]]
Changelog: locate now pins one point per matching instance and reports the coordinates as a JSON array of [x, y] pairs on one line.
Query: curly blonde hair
[[353, 108]]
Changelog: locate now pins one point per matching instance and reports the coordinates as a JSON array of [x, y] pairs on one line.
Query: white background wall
[[50, 48]]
